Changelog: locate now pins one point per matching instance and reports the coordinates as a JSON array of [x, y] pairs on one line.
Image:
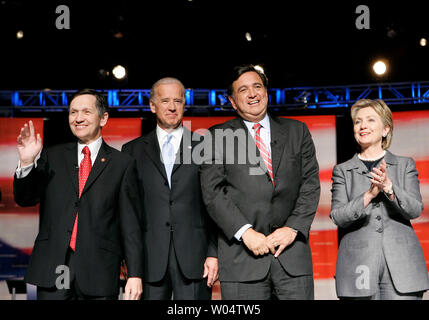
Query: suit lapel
[[72, 166], [254, 158], [185, 142], [278, 138], [391, 163], [362, 171], [361, 181], [100, 163], [151, 147], [358, 166]]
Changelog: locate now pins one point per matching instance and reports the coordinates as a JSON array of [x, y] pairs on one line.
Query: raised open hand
[[29, 144]]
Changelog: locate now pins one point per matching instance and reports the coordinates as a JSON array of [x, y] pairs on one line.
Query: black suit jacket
[[234, 197], [108, 227], [178, 213]]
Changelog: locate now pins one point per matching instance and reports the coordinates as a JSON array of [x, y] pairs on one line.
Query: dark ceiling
[[298, 43]]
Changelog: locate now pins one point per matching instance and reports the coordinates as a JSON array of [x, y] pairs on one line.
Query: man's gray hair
[[168, 80]]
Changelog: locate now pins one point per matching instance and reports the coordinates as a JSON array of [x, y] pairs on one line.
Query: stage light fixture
[[119, 72], [20, 34], [259, 68], [379, 67], [248, 36], [102, 73], [423, 42]]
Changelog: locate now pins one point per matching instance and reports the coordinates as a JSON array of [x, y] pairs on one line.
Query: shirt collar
[[265, 123], [162, 134], [94, 146]]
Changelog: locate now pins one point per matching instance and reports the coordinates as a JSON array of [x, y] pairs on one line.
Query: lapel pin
[[189, 147], [103, 159]]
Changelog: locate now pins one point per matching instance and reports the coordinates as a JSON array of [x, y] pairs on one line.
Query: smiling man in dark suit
[[179, 237], [89, 212], [264, 215]]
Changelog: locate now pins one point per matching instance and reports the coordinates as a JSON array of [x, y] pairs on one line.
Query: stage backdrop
[[411, 139], [18, 226]]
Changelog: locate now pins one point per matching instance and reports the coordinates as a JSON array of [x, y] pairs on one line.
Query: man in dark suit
[[264, 212], [89, 212], [179, 241]]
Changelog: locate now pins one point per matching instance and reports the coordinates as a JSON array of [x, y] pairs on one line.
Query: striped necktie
[[263, 150]]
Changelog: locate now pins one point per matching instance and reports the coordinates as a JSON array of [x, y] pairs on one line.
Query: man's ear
[[104, 119], [152, 106], [231, 99]]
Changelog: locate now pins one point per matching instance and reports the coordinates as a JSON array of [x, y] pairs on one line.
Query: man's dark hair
[[239, 70], [100, 101]]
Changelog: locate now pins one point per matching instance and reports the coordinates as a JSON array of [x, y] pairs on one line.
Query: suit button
[[171, 202], [165, 183], [356, 215], [76, 204], [378, 218], [380, 230], [167, 224]]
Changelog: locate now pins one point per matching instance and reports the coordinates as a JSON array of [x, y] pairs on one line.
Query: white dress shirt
[[94, 147], [265, 132], [175, 140]]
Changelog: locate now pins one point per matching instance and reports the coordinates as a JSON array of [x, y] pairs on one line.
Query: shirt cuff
[[240, 232], [24, 171]]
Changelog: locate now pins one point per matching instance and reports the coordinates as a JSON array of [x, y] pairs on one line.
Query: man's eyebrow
[[253, 84], [83, 109]]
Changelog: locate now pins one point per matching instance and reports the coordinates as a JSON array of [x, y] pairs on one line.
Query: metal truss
[[404, 93]]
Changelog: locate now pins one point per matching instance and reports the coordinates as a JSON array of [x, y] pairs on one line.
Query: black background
[[303, 43]]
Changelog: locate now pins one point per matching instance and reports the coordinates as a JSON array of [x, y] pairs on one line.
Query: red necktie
[[84, 170], [263, 150]]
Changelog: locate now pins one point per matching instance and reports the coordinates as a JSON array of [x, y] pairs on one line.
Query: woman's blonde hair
[[382, 110]]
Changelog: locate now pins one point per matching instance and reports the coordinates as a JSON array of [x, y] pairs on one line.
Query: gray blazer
[[382, 225]]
